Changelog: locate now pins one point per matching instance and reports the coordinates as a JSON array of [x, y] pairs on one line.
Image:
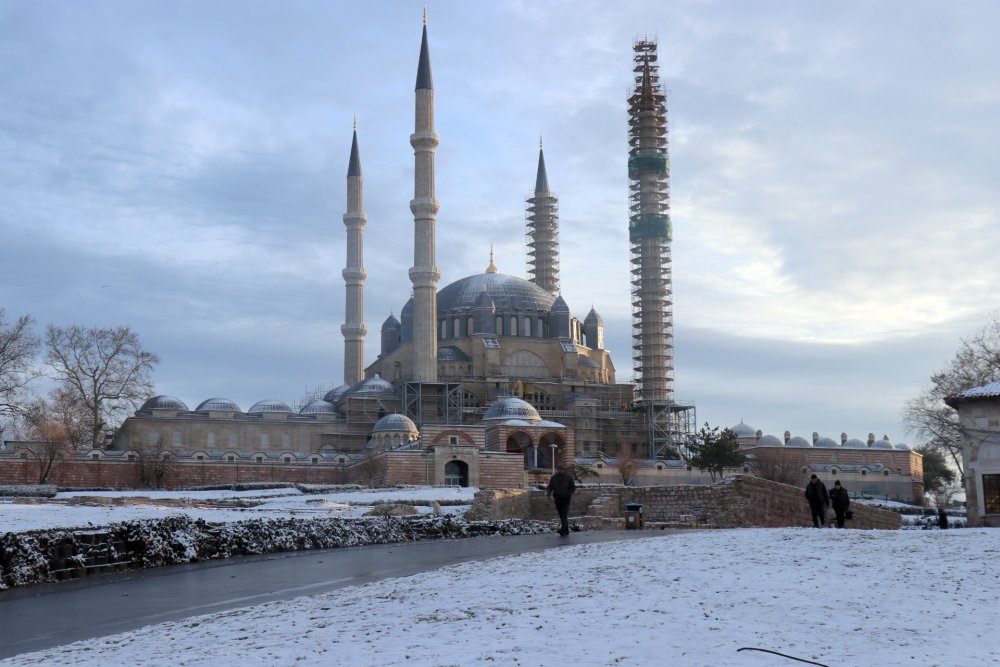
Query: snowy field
[[830, 597]]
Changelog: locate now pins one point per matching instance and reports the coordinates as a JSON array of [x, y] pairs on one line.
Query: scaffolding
[[670, 428], [542, 236], [650, 235], [433, 402]]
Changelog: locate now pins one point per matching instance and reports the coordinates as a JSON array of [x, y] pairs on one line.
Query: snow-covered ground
[[832, 597]]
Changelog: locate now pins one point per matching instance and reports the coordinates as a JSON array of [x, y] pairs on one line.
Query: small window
[[199, 458], [95, 457], [231, 459], [131, 457], [24, 455], [567, 346], [315, 460], [343, 460], [886, 473], [601, 465], [491, 343], [288, 459], [259, 459], [659, 467], [452, 439], [864, 472]]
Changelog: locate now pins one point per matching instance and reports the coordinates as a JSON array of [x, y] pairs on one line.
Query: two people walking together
[[819, 500]]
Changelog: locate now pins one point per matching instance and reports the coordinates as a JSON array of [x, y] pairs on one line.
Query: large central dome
[[508, 293]]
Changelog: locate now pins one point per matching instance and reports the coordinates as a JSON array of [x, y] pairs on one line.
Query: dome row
[[745, 431]]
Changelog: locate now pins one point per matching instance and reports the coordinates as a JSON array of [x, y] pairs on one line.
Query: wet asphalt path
[[41, 617]]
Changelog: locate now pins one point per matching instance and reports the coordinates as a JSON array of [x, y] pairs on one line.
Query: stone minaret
[[650, 232], [424, 274], [354, 328], [543, 232]]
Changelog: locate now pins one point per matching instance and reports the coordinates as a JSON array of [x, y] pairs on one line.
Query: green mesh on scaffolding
[[650, 226], [646, 163]]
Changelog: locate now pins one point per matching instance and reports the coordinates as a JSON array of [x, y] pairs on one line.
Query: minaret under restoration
[[650, 232], [543, 231], [424, 274], [354, 328]]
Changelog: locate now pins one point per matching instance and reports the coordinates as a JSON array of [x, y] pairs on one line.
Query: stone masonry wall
[[739, 502]]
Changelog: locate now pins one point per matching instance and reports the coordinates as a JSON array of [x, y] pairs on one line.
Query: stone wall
[[738, 502]]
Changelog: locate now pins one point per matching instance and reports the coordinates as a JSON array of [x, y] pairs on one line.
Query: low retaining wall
[[738, 502]]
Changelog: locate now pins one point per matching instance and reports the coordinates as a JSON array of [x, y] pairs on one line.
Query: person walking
[[818, 499], [561, 487], [840, 500]]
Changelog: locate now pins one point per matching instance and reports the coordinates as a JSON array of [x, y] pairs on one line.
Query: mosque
[[491, 380]]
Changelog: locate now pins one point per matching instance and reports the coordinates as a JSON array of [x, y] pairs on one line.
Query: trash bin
[[633, 516]]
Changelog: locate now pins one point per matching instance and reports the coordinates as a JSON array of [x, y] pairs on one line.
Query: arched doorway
[[456, 473]]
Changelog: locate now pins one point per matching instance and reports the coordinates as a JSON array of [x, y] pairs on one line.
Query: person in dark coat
[[561, 487], [818, 501], [942, 519], [840, 500]]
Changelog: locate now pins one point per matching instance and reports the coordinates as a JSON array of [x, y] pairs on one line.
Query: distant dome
[[882, 444], [164, 402], [855, 443], [217, 405], [390, 323], [744, 430], [587, 362], [770, 441], [373, 385], [269, 405], [512, 408], [508, 293], [334, 394], [318, 407], [826, 442], [394, 422], [799, 441], [902, 445]]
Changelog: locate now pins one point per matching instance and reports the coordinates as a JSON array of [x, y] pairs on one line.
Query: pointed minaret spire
[[492, 268], [424, 79], [424, 274], [541, 179], [543, 231], [354, 273]]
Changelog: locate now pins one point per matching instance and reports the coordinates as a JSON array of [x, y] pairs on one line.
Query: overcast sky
[[179, 167]]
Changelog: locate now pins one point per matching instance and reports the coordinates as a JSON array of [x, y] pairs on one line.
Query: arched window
[[513, 325], [539, 328], [499, 325], [469, 326], [525, 326], [457, 328]]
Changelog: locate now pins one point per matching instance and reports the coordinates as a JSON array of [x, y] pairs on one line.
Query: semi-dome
[[826, 442], [509, 294], [217, 404], [164, 402], [770, 441], [318, 406], [856, 443], [798, 441], [268, 405], [744, 430], [335, 393], [394, 422], [512, 408], [373, 385]]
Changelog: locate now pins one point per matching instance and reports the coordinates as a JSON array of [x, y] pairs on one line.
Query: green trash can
[[633, 516]]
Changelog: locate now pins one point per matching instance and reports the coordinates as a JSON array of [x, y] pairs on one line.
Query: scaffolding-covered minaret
[[650, 231], [543, 231], [354, 273]]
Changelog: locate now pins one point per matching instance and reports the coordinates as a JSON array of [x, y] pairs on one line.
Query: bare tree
[[628, 464], [18, 350], [780, 466], [155, 461], [976, 362], [107, 370], [371, 471], [49, 439]]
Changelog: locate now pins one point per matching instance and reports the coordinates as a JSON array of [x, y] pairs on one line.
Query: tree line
[[101, 375]]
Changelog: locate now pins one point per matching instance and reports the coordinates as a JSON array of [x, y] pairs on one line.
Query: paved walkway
[[41, 617]]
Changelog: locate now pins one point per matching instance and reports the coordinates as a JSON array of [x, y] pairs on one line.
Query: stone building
[[979, 418]]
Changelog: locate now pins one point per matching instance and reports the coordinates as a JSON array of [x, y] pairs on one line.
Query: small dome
[[164, 402], [268, 405], [390, 323], [373, 386], [593, 318], [217, 405], [902, 445], [770, 441], [452, 353], [882, 444], [744, 430], [559, 305], [856, 443], [318, 407], [334, 394], [587, 362], [512, 408], [826, 442], [395, 422], [799, 441]]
